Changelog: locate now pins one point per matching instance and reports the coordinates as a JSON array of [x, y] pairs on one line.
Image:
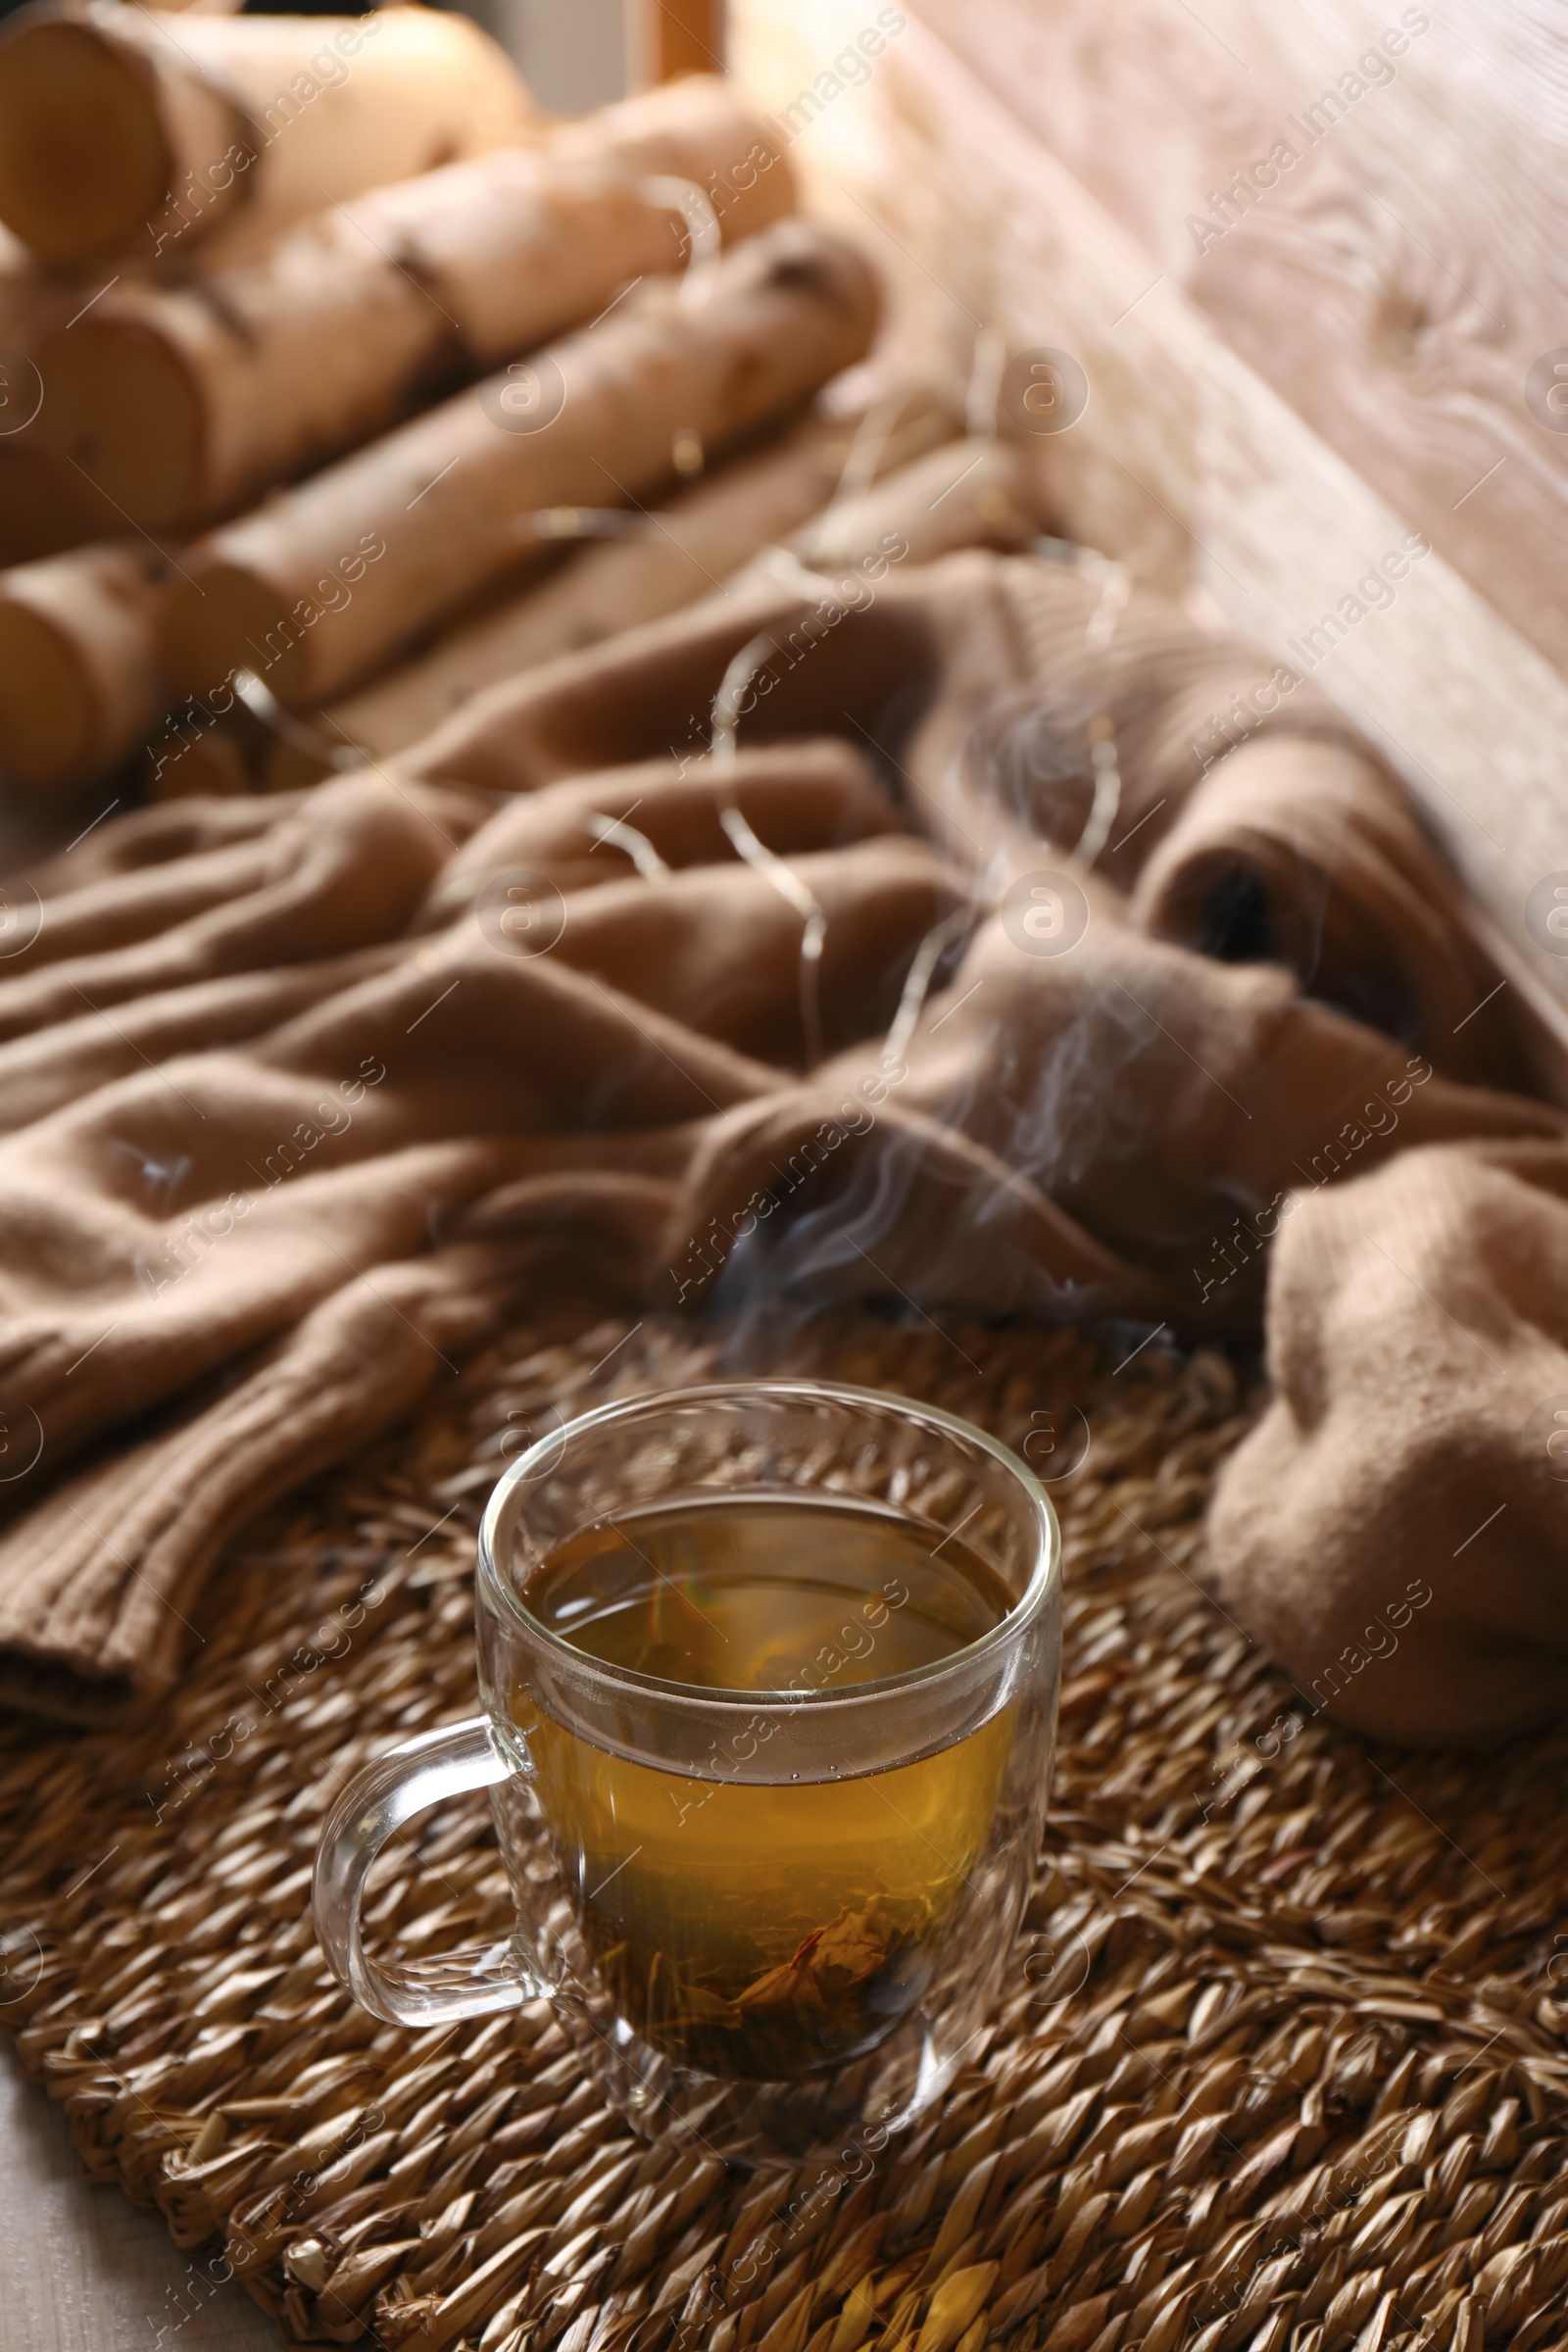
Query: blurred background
[[573, 55]]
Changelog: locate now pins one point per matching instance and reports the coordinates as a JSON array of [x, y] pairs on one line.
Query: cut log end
[[83, 160], [122, 404], [78, 681], [49, 721], [229, 620]]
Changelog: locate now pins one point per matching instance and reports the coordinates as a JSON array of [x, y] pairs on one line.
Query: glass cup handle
[[377, 1802]]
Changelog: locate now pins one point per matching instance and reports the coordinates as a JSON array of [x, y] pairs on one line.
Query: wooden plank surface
[[1368, 199], [86, 2271], [1184, 462]]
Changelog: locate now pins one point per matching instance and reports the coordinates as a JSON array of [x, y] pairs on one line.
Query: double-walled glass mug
[[769, 1673]]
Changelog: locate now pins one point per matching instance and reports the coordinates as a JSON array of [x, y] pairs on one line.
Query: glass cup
[[618, 1796]]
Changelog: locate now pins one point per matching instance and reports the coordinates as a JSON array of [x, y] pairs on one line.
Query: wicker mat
[[1279, 2062]]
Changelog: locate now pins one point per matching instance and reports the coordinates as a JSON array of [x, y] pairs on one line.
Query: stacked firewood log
[[336, 384]]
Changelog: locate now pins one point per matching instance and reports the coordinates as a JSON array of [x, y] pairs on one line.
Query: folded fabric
[[971, 683], [1308, 855], [1162, 1107], [1006, 657], [975, 685], [1396, 1527], [710, 1011], [98, 1577], [155, 836], [337, 871]]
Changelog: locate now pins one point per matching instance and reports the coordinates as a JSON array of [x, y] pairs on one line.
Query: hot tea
[[768, 1765], [756, 1921]]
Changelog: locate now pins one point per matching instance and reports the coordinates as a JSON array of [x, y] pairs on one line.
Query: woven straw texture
[[1278, 2065]]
